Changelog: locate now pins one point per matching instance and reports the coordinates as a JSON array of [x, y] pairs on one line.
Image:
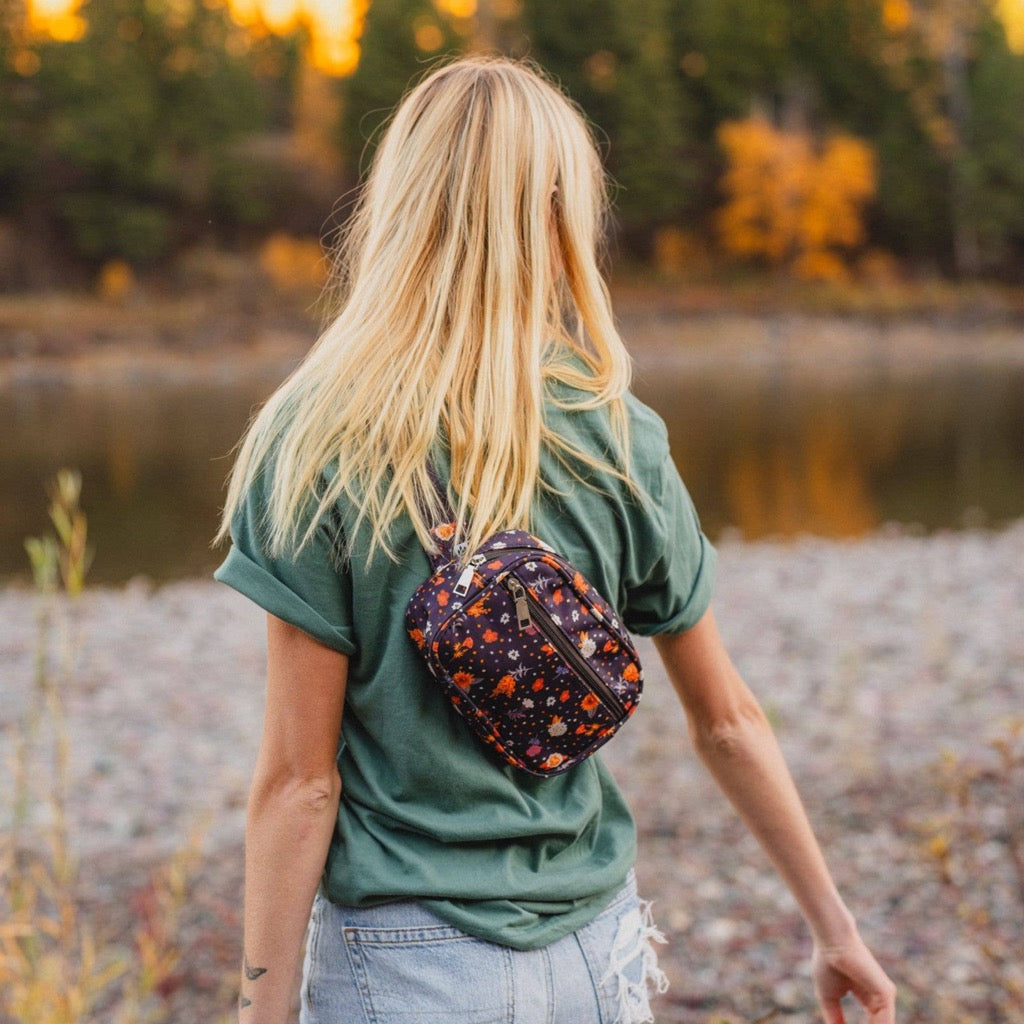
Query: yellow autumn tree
[[791, 202]]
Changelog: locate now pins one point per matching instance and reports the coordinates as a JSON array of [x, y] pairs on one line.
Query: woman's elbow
[[306, 793], [729, 734]]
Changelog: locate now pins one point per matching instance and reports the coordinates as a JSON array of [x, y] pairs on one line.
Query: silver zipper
[[561, 643], [466, 579], [518, 592]]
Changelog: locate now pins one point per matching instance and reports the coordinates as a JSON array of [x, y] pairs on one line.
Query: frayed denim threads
[[634, 940]]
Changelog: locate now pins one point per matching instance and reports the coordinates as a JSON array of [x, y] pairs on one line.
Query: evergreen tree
[[125, 134], [616, 60], [400, 38], [994, 168]]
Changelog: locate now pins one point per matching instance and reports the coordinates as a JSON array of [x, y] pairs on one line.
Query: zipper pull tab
[[522, 608], [461, 588]]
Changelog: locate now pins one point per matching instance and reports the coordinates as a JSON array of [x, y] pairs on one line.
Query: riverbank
[[877, 661], [220, 333]]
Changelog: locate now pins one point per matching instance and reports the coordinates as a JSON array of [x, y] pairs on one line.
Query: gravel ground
[[883, 664]]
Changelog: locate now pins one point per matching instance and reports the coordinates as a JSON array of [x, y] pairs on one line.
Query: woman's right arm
[[734, 739]]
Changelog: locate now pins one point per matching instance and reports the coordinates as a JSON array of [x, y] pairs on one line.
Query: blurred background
[[815, 259], [815, 254]]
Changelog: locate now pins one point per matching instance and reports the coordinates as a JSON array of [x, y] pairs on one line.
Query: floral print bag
[[532, 657]]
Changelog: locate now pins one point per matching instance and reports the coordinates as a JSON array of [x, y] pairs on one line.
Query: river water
[[764, 452]]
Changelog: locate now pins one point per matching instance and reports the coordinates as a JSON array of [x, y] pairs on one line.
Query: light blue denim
[[399, 963]]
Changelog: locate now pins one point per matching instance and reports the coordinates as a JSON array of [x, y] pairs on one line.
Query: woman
[[474, 333]]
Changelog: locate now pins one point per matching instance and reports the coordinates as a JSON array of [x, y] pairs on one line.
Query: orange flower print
[[579, 583], [461, 646], [417, 636], [463, 680], [442, 597], [557, 726], [496, 564], [506, 686], [611, 646], [558, 597], [563, 696], [538, 684], [445, 531], [547, 649], [480, 608], [587, 728], [552, 761], [490, 636], [590, 703], [630, 673]]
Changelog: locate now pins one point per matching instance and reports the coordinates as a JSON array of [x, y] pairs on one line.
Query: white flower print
[[504, 618], [527, 703], [550, 701], [513, 654], [588, 646]]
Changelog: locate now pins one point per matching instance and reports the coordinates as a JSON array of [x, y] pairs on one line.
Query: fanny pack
[[531, 656]]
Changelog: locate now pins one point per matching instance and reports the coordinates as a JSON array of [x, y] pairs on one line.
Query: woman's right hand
[[850, 967]]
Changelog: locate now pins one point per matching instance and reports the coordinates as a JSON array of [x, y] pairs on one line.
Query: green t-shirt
[[425, 813]]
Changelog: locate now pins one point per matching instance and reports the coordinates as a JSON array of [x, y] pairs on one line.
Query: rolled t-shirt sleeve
[[311, 590], [671, 573]]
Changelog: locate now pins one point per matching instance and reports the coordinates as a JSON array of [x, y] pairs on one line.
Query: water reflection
[[765, 453], [777, 455]]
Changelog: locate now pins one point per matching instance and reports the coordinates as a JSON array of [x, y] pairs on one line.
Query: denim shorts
[[400, 963]]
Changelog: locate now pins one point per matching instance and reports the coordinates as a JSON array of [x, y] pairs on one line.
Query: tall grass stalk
[[977, 847], [53, 969]]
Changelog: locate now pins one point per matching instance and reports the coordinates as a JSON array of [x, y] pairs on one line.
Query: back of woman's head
[[466, 276]]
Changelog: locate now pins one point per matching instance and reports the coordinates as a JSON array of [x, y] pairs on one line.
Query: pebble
[[871, 658]]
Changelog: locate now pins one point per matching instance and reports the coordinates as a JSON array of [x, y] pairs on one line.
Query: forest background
[[844, 140]]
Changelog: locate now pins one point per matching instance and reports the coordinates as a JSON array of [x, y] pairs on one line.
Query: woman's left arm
[[734, 739], [293, 804]]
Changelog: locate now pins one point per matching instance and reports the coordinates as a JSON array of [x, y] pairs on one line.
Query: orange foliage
[[335, 27], [293, 264], [789, 202], [115, 280], [58, 19], [1012, 14]]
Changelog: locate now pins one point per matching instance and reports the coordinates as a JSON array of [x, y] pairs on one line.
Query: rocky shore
[[886, 665]]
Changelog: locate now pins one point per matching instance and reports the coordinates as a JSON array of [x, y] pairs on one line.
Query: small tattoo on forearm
[[252, 973]]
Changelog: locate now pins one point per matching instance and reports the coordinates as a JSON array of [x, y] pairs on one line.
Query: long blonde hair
[[452, 319]]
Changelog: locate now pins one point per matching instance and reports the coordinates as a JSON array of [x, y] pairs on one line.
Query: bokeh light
[[59, 19], [1012, 13]]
